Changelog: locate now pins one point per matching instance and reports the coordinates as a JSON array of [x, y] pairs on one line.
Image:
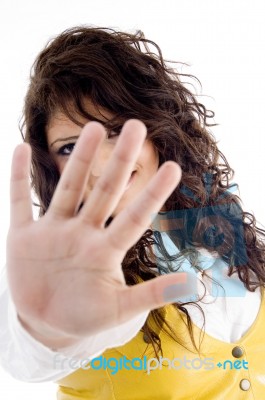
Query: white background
[[223, 41]]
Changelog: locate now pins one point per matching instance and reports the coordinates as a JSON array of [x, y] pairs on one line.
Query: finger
[[20, 198], [112, 183], [176, 287], [70, 188], [132, 222]]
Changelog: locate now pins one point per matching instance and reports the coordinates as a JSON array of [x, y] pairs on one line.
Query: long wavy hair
[[127, 75]]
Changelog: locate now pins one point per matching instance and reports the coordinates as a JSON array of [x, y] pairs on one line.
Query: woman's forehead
[[60, 123]]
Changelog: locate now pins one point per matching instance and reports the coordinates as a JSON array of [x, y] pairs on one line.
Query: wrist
[[47, 335]]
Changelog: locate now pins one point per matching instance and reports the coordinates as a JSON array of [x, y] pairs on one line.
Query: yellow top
[[239, 375]]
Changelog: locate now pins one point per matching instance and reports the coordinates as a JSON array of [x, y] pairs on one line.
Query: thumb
[[156, 293]]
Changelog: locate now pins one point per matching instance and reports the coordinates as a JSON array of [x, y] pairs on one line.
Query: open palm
[[64, 270]]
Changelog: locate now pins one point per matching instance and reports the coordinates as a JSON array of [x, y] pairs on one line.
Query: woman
[[116, 218]]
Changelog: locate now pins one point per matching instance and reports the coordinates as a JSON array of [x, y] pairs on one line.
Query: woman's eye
[[66, 150]]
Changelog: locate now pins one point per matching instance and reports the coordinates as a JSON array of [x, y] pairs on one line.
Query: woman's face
[[62, 135]]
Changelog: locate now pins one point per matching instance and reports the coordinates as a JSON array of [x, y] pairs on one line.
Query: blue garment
[[215, 267]]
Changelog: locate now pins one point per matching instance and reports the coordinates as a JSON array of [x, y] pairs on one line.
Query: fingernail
[[184, 291]]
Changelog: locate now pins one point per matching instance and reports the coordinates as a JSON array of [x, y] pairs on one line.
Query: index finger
[[71, 185]]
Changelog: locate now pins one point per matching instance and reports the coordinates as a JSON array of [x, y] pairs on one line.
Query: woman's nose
[[99, 164], [97, 168]]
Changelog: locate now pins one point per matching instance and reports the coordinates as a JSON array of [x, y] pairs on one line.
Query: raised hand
[[64, 270]]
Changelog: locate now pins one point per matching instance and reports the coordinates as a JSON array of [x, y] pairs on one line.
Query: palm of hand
[[65, 269]]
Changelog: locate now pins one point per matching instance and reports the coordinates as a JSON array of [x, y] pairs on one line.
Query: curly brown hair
[[127, 75]]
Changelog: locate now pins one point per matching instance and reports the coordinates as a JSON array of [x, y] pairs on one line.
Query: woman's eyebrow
[[64, 139]]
